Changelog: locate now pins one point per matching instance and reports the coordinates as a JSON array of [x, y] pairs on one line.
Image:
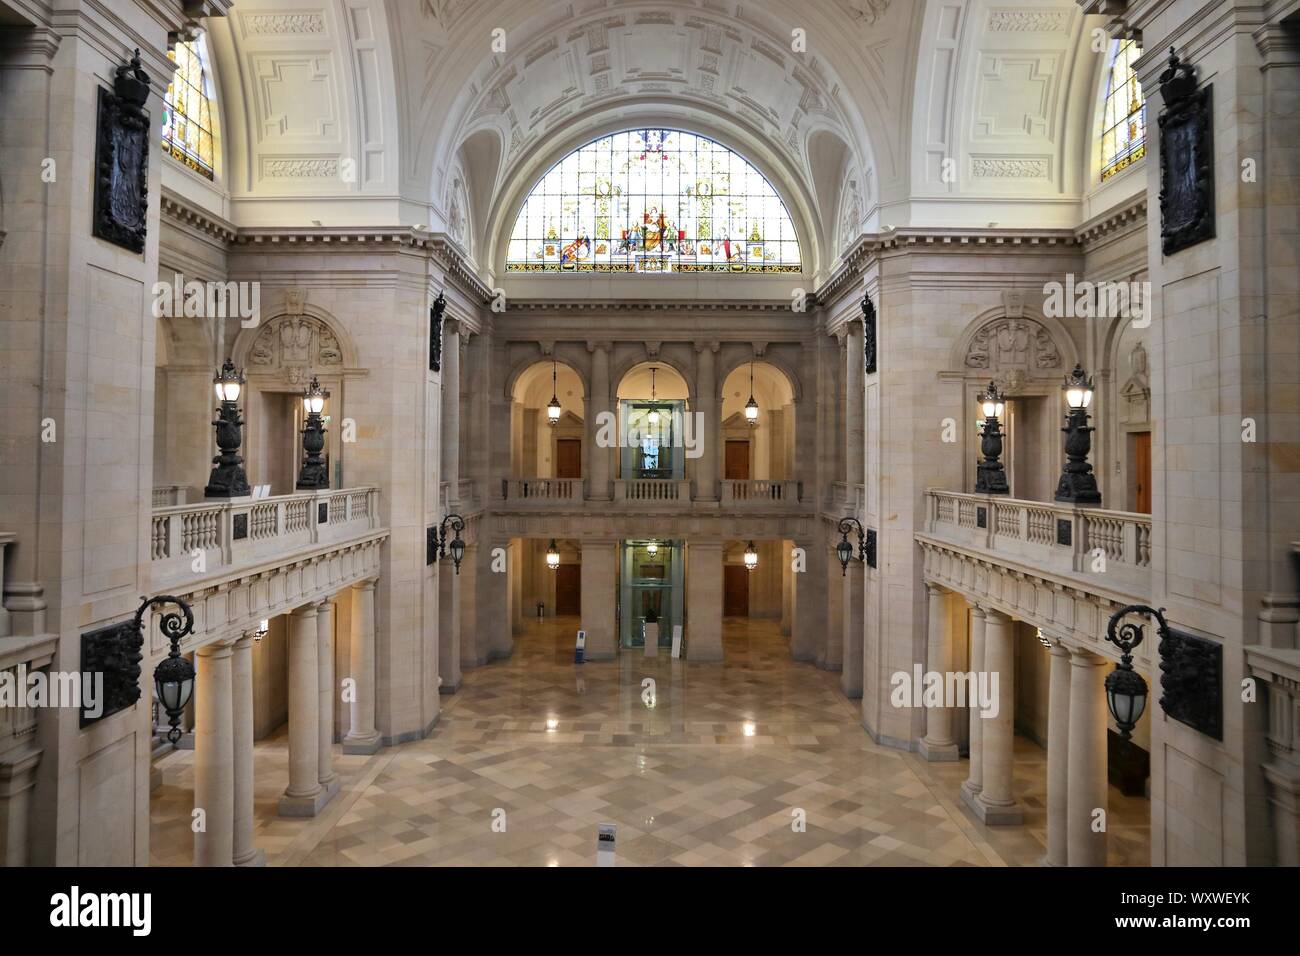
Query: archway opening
[[544, 444], [759, 445]]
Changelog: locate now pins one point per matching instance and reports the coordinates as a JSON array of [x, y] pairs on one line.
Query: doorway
[[568, 590], [735, 590], [651, 585], [568, 458], [1140, 480], [736, 464]]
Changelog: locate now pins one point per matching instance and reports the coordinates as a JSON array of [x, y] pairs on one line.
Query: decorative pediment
[[1014, 348]]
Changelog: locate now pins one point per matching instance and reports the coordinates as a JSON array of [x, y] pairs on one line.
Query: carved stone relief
[[1015, 348], [294, 345]]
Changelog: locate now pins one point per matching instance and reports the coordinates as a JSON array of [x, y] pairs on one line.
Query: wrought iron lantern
[[457, 544], [553, 409], [751, 557], [990, 476], [1078, 485], [173, 678], [652, 548], [553, 556], [751, 406], [227, 479], [1126, 691], [844, 550]]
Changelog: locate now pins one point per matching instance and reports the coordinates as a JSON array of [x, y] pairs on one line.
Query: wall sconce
[[173, 678], [844, 550], [436, 543]]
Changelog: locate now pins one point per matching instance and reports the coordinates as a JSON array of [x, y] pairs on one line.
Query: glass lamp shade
[[1126, 696], [228, 382], [457, 550], [652, 548], [1078, 389], [653, 417], [990, 402], [845, 552], [553, 411], [751, 411], [174, 680], [552, 556], [751, 557]]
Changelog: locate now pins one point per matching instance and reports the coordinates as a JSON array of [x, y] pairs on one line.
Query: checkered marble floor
[[710, 765]]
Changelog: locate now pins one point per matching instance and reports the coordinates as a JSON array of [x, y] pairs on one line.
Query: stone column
[[329, 780], [304, 796], [450, 435], [473, 645], [598, 484], [808, 642], [787, 589], [363, 738], [1087, 761], [854, 404], [704, 601], [709, 419], [1058, 750], [995, 805], [214, 756], [17, 778], [599, 590], [852, 585], [938, 742], [837, 602], [975, 780], [448, 626], [241, 671]]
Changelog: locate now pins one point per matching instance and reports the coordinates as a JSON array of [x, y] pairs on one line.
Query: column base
[[331, 785], [969, 791], [256, 858], [364, 746], [937, 752], [305, 806], [996, 816], [449, 688]]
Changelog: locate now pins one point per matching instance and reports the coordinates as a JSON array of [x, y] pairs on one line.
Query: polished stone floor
[[534, 752]]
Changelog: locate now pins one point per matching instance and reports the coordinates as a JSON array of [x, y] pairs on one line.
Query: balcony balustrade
[[1049, 535], [242, 532], [760, 493], [541, 491]]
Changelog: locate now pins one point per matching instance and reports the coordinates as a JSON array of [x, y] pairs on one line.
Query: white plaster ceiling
[[445, 131]]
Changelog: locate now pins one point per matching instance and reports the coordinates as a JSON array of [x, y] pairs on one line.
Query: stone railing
[[166, 495], [1049, 535], [524, 491], [760, 492], [199, 540], [653, 491]]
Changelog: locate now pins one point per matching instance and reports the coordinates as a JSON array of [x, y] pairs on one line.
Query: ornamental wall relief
[[294, 346], [1014, 345]]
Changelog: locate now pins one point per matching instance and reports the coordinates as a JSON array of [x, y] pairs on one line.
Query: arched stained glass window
[[188, 131], [653, 201], [1124, 116]]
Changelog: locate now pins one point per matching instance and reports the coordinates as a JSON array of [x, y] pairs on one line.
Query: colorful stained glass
[[187, 109], [656, 201], [1124, 119]]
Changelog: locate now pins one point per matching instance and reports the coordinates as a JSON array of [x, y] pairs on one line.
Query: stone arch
[[1014, 343], [523, 365], [771, 358], [619, 372], [297, 340]]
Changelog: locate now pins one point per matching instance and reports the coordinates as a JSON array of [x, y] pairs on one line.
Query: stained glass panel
[[1124, 119], [653, 201], [187, 109]]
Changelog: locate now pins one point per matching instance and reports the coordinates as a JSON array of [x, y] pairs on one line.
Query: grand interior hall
[[515, 433]]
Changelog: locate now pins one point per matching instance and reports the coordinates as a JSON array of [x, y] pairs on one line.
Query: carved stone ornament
[[435, 333], [1191, 681], [293, 344], [869, 334], [1186, 158], [114, 651], [1015, 348], [122, 159]]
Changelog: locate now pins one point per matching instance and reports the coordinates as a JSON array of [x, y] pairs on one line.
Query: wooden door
[[568, 589], [737, 461], [568, 458], [1142, 472], [735, 590]]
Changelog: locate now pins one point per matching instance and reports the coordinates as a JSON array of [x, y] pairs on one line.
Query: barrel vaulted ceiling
[[896, 112]]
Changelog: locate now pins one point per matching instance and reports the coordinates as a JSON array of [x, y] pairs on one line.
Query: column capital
[[367, 584], [935, 590], [978, 610], [594, 346], [713, 347], [993, 614], [1083, 657], [305, 610], [216, 649]]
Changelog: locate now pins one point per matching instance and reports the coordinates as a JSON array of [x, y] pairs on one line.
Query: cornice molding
[[174, 206], [1119, 219]]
